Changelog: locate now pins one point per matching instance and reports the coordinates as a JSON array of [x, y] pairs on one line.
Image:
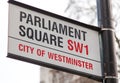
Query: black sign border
[[14, 56]]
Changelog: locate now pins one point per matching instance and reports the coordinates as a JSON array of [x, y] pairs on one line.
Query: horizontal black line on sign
[[54, 49]]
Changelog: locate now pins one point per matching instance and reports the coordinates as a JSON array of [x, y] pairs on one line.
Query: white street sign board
[[50, 40]]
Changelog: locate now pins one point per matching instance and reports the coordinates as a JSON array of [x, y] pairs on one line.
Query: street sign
[[47, 39]]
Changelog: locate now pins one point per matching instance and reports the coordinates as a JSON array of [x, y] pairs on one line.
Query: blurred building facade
[[48, 75]]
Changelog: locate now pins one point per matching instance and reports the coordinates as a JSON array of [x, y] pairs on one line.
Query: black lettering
[[29, 19], [49, 24], [53, 39], [62, 30], [60, 42], [54, 27], [71, 31], [37, 21], [22, 32], [77, 34], [45, 38], [30, 33], [43, 24], [38, 35], [22, 15], [84, 35]]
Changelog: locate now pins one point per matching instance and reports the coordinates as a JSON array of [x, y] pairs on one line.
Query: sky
[[15, 71]]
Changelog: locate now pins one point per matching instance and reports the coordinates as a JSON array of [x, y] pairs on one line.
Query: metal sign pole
[[105, 22]]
